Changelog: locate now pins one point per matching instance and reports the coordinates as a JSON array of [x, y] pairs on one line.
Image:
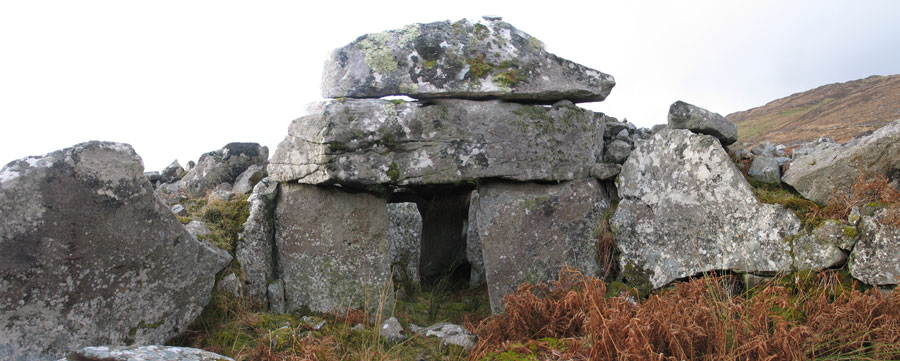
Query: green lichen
[[377, 54], [508, 79], [481, 32], [393, 172], [145, 326], [430, 64]]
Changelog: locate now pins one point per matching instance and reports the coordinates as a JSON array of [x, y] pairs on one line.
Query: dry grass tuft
[[699, 320]]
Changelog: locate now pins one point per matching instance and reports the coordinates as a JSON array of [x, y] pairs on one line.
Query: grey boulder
[[246, 181], [88, 255], [698, 120], [875, 259], [529, 231], [685, 209], [255, 246], [172, 172], [765, 169], [817, 174], [144, 353], [464, 60], [222, 166], [373, 142]]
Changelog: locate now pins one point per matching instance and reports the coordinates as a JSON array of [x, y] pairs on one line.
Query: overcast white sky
[[179, 78]]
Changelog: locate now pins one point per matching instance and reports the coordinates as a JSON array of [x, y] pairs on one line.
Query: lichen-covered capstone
[[816, 175], [370, 142], [333, 250], [528, 231], [685, 208], [255, 245], [876, 257], [88, 255], [463, 60], [698, 120]]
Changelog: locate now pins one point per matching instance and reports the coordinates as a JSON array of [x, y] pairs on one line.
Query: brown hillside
[[841, 111]]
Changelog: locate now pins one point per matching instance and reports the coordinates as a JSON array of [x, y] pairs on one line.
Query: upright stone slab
[[473, 244], [333, 250], [685, 209], [88, 255], [255, 246], [817, 174], [529, 231], [405, 239], [464, 60], [875, 259], [373, 142]]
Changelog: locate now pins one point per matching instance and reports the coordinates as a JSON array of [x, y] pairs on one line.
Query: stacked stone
[[494, 126]]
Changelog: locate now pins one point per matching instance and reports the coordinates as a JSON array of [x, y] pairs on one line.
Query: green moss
[[481, 32], [803, 208], [430, 64], [397, 101], [509, 355], [638, 278], [508, 79], [478, 68], [225, 220], [393, 172], [851, 232]]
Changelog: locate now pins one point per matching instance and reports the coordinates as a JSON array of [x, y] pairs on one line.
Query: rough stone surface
[[765, 169], [876, 257], [810, 252], [391, 330], [376, 142], [617, 152], [275, 294], [451, 334], [815, 175], [405, 240], [221, 193], [839, 234], [698, 120], [255, 250], [222, 166], [334, 255], [172, 172], [685, 208], [605, 171], [465, 60], [197, 229], [88, 255], [246, 181], [529, 231], [230, 284], [473, 244], [144, 353]]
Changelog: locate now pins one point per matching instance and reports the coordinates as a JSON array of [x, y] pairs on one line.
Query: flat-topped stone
[[368, 142], [465, 59]]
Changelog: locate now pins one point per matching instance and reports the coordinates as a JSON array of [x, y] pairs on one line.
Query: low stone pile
[[475, 176]]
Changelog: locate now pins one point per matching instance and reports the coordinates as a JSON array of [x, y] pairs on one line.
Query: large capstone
[[818, 174], [379, 142], [222, 166], [685, 209], [88, 255], [529, 231], [698, 120], [876, 257], [333, 250], [464, 60], [255, 246]]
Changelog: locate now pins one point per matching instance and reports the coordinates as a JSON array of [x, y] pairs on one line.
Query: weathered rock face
[[334, 255], [88, 255], [765, 169], [254, 249], [698, 120], [815, 174], [811, 252], [529, 231], [144, 353], [172, 172], [405, 240], [464, 60], [379, 142], [876, 257], [473, 244], [222, 166], [686, 209]]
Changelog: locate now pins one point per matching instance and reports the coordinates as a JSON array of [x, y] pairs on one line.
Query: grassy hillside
[[841, 111]]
